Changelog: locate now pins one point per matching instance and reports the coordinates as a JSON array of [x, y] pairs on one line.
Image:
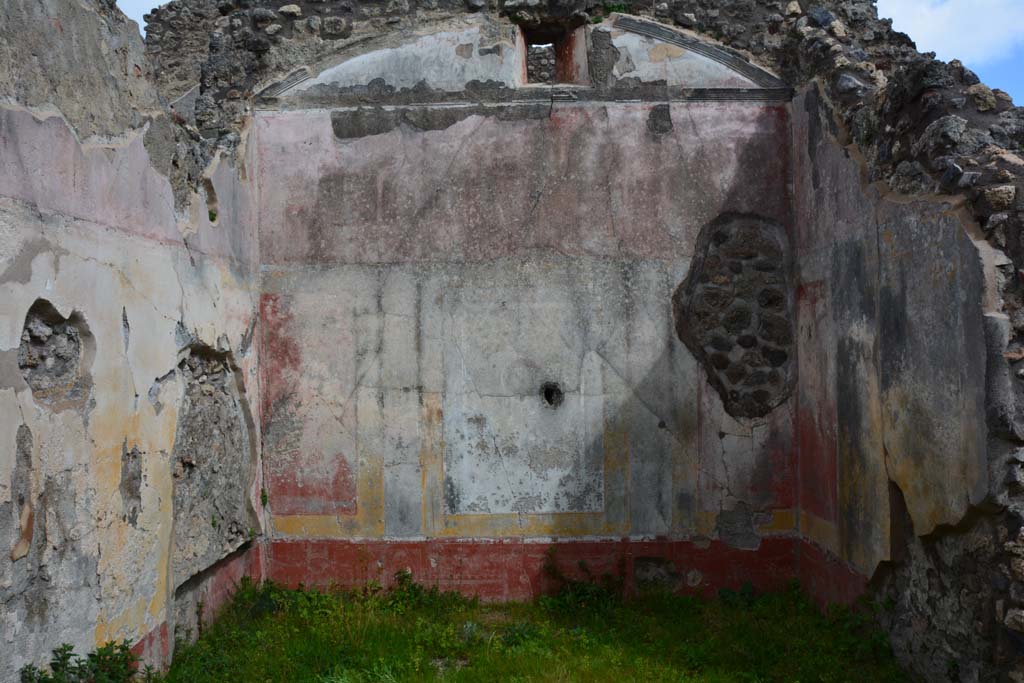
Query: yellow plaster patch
[[663, 51], [529, 524], [820, 531], [782, 521], [685, 473], [123, 626], [432, 464], [706, 523], [308, 526], [164, 542]]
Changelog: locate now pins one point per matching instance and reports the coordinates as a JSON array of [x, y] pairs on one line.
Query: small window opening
[[552, 394], [551, 55]]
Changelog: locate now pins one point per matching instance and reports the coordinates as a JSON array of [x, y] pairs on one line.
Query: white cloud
[[973, 31]]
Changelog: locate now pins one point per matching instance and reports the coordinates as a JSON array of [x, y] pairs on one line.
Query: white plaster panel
[[651, 60], [446, 60]]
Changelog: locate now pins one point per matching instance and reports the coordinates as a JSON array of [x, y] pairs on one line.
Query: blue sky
[[986, 35], [136, 8]]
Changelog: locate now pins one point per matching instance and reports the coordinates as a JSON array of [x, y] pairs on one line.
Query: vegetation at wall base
[[587, 631], [111, 663]]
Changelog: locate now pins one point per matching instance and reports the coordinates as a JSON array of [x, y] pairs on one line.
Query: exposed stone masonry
[[540, 64], [735, 312], [957, 578], [213, 463], [50, 355], [184, 27]]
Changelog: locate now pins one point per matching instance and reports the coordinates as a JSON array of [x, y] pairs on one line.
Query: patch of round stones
[[734, 313]]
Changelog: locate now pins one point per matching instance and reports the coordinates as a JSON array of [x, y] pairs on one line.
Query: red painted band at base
[[828, 579], [500, 570], [216, 585], [155, 646]]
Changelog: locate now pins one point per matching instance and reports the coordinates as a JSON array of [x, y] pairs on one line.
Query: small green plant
[[589, 592], [264, 498], [110, 663], [406, 595], [743, 598], [213, 216], [519, 633]]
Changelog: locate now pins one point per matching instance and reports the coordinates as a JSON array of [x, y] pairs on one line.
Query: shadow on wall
[[735, 313], [659, 458], [702, 471], [892, 406]]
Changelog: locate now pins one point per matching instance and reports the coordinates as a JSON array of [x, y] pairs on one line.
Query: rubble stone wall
[[465, 321]]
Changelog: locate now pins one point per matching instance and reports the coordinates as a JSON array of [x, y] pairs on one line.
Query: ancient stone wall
[[921, 127], [540, 64], [177, 45], [735, 312], [477, 344], [662, 298], [113, 269], [894, 334], [937, 350]]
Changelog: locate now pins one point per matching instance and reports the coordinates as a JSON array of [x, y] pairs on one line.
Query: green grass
[[585, 633]]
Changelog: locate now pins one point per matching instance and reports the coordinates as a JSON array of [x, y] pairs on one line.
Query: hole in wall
[[555, 53], [55, 355], [552, 394], [213, 451]]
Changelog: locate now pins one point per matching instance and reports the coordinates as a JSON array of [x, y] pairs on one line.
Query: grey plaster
[[213, 466]]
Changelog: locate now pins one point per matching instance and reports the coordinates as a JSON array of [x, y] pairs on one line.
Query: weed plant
[[111, 663]]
